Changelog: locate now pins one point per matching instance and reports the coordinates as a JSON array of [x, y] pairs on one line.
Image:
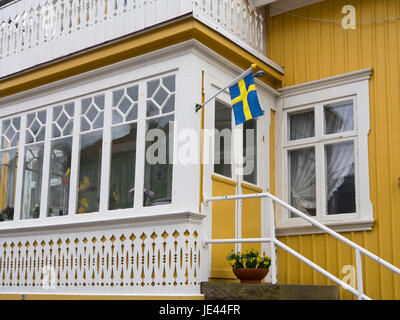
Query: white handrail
[[358, 249], [294, 253]]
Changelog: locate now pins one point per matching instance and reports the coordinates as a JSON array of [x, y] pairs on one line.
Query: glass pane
[[123, 161], [250, 151], [301, 125], [10, 133], [340, 190], [32, 183], [302, 180], [59, 183], [89, 172], [223, 136], [339, 117], [8, 175], [158, 162]]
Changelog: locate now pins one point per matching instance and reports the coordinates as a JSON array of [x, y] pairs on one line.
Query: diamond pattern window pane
[[63, 120], [161, 96], [92, 113], [125, 104], [10, 133], [36, 127]]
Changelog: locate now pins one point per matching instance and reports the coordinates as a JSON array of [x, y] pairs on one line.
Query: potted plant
[[249, 266], [7, 214]]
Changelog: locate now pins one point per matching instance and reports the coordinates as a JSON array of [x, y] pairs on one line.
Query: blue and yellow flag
[[244, 100]]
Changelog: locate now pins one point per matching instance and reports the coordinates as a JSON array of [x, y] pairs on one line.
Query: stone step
[[267, 291]]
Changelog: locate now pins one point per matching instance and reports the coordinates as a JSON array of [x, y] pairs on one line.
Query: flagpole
[[244, 74]]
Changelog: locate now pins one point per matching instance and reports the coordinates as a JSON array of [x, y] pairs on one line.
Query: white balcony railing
[[36, 31], [147, 256]]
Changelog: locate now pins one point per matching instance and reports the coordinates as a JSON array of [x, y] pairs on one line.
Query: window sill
[[337, 226], [7, 228]]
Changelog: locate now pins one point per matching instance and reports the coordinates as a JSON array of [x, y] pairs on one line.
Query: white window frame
[[316, 94], [76, 97]]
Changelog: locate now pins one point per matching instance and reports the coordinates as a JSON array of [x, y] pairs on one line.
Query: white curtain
[[339, 157], [302, 164]]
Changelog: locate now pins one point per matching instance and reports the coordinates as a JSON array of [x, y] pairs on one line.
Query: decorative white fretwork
[[92, 113], [129, 260], [35, 127], [63, 120], [161, 96], [125, 105], [36, 31], [10, 133]]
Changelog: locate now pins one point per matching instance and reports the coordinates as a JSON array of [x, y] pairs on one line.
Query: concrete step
[[267, 291]]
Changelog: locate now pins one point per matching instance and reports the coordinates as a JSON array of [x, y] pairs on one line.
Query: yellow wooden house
[[113, 185]]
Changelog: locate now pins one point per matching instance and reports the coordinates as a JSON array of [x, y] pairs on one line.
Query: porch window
[[223, 139], [229, 140], [321, 144], [9, 141], [80, 157], [60, 160]]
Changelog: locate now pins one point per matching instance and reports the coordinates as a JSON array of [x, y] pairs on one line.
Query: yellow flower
[[81, 210], [85, 184], [84, 202]]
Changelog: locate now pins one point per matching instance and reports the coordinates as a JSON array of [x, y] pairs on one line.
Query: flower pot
[[250, 275]]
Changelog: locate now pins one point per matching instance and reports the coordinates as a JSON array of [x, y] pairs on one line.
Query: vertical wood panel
[[311, 50], [223, 227]]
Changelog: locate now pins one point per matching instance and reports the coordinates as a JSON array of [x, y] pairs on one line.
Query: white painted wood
[[46, 165], [41, 31], [127, 259], [315, 94]]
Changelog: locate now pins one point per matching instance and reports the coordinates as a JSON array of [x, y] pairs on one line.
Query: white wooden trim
[[106, 153], [44, 199], [315, 94]]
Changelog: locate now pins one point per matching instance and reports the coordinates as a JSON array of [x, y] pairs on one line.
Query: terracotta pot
[[250, 275]]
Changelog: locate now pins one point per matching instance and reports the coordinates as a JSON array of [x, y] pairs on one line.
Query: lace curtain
[[339, 158]]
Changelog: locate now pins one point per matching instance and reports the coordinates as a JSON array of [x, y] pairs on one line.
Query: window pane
[[32, 185], [301, 125], [339, 117], [302, 180], [223, 136], [90, 172], [59, 183], [158, 162], [8, 175], [123, 161], [340, 191], [250, 151], [10, 133]]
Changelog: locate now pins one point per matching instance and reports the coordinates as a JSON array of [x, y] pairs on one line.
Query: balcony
[[38, 31]]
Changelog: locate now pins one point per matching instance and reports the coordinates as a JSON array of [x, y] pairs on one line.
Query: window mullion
[[73, 193], [141, 147], [106, 153], [46, 165], [20, 170], [320, 180]]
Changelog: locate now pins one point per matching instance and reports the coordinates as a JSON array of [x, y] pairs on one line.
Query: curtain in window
[[302, 164], [339, 159], [302, 180]]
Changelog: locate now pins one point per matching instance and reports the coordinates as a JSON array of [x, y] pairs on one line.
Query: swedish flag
[[244, 100]]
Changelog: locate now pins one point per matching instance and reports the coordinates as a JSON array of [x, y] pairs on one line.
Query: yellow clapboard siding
[[251, 218], [312, 50], [223, 227]]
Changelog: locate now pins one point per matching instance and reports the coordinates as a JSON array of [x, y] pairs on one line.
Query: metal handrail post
[[359, 274]]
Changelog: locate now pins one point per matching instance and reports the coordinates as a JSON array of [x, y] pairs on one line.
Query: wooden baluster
[[2, 38]]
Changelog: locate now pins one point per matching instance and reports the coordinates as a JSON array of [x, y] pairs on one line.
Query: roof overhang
[[278, 7]]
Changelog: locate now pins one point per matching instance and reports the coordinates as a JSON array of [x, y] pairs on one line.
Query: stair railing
[[274, 241]]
